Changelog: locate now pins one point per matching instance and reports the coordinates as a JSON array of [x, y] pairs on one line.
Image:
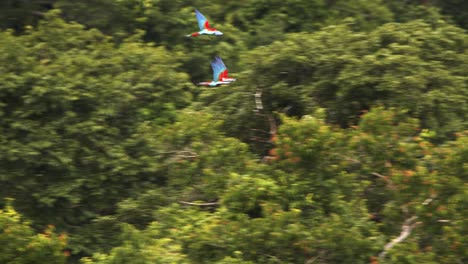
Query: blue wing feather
[[217, 70], [201, 19], [220, 61]]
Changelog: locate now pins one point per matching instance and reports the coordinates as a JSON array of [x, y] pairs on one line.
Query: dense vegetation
[[344, 140]]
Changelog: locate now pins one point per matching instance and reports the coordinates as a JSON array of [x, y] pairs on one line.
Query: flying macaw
[[218, 70], [204, 26], [224, 75]]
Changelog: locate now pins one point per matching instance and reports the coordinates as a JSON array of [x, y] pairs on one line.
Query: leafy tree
[[71, 102], [394, 167], [438, 234], [414, 66], [295, 212], [139, 247], [366, 15], [20, 244]]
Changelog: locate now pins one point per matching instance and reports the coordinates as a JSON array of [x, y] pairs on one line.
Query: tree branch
[[258, 99], [390, 183], [259, 109], [273, 126], [199, 204], [406, 229], [311, 260], [408, 225], [429, 200], [180, 154]]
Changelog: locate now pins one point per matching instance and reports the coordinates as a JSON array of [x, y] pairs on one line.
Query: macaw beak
[[218, 33]]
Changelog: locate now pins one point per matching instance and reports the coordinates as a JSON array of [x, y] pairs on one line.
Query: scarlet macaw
[[218, 70], [204, 26]]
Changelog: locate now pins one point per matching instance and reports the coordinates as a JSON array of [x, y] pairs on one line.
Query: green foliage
[[140, 248], [71, 102], [20, 244], [366, 15], [187, 161], [385, 160], [414, 66]]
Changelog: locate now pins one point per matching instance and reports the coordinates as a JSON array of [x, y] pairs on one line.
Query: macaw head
[[218, 33]]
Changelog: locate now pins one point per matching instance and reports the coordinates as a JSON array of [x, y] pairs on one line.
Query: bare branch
[[180, 155], [390, 183], [267, 159], [311, 260], [406, 229], [186, 156], [199, 204], [408, 225], [273, 126], [429, 200], [443, 221], [378, 175], [259, 109], [179, 152], [258, 99]]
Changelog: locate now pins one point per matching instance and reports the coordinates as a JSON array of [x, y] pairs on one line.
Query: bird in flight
[[204, 26], [218, 68]]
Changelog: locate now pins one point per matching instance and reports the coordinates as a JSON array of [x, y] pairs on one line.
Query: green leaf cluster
[[20, 244]]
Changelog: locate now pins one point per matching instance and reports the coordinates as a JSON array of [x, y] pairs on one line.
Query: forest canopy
[[344, 138]]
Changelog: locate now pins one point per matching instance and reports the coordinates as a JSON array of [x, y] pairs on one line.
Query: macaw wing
[[224, 73], [218, 59], [219, 62], [217, 70], [202, 21]]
